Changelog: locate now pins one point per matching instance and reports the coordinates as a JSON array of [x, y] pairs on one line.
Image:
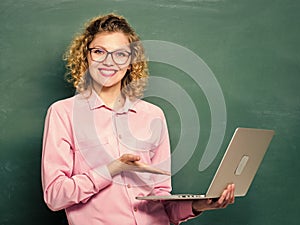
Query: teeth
[[108, 72]]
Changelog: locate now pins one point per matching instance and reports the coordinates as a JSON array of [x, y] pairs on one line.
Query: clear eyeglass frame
[[120, 57]]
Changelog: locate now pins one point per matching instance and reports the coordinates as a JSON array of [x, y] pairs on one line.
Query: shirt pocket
[[90, 154], [144, 150]]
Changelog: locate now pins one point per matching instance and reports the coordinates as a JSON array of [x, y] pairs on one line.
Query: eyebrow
[[98, 46]]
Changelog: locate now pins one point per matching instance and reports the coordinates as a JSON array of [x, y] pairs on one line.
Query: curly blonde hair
[[135, 80]]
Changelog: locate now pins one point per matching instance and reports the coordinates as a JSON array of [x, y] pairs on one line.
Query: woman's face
[[109, 59]]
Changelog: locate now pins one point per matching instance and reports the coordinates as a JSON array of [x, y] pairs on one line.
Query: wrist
[[195, 210], [114, 168]]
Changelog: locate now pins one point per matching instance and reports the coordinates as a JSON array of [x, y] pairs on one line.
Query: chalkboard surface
[[249, 51]]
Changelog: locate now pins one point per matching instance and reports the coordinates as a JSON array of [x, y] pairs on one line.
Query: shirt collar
[[96, 102]]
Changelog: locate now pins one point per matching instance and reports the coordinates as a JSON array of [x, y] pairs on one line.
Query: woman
[[105, 146]]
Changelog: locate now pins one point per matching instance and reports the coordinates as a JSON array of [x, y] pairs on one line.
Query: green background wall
[[252, 47]]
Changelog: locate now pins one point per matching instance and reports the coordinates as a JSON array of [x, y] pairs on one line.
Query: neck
[[111, 96]]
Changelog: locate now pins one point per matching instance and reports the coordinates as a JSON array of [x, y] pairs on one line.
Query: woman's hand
[[225, 199], [129, 162]]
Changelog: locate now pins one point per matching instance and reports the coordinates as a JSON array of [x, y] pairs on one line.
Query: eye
[[98, 51], [121, 54]]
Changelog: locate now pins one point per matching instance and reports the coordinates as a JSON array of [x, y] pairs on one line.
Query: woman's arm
[[61, 188]]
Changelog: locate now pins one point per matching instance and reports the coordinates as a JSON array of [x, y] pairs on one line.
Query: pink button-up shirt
[[81, 137]]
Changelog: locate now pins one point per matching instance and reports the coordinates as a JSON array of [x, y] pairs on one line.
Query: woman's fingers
[[151, 169], [232, 194], [133, 164], [129, 158]]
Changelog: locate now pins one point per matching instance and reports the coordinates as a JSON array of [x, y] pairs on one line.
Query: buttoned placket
[[119, 133], [115, 128], [119, 128], [118, 136]]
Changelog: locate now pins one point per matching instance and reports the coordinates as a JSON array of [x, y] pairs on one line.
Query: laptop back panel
[[240, 161]]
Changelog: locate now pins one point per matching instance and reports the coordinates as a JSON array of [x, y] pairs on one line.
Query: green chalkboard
[[250, 48]]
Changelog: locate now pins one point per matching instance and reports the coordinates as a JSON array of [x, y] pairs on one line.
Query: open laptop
[[239, 165]]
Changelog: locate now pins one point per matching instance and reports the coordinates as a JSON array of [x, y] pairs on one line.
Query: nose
[[108, 61]]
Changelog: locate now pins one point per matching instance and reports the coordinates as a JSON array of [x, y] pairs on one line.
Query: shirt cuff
[[187, 208]]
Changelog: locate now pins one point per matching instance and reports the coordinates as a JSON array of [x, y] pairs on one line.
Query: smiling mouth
[[107, 72]]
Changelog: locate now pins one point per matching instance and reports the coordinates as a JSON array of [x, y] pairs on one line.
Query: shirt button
[[135, 209], [128, 186], [120, 136]]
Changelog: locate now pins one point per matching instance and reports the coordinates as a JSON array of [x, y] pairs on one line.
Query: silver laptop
[[239, 165]]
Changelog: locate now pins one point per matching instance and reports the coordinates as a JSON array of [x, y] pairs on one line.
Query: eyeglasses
[[120, 57]]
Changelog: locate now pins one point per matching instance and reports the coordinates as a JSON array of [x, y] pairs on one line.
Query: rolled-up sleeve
[[179, 211], [61, 188]]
